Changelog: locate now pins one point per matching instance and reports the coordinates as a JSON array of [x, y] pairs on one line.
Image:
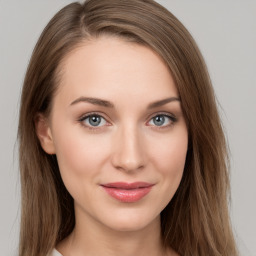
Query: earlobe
[[44, 134]]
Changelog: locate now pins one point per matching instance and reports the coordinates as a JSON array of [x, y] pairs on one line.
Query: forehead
[[109, 66]]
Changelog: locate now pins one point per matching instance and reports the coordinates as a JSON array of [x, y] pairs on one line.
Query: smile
[[128, 192]]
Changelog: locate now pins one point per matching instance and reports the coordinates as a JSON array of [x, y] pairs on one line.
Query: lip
[[128, 192]]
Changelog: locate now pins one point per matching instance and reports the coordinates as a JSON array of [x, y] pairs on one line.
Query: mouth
[[127, 192]]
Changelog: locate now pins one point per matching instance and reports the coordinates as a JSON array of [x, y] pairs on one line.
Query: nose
[[128, 151]]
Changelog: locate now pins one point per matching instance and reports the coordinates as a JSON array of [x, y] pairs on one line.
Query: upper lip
[[126, 185]]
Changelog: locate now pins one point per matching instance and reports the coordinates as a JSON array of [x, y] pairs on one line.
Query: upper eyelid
[[168, 114], [82, 117], [91, 127], [172, 118]]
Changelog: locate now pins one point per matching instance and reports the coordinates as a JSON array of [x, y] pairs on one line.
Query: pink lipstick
[[128, 192]]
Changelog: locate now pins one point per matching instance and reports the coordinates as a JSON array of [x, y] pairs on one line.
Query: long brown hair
[[196, 221]]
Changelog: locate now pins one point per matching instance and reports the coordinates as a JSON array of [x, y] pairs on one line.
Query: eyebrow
[[162, 102], [105, 103], [94, 101]]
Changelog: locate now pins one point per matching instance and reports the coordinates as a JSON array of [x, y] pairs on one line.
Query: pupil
[[159, 120], [94, 120]]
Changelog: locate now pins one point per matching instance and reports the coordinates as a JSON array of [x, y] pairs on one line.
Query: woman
[[121, 147]]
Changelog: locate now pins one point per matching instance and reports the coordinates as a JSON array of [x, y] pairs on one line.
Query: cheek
[[170, 152], [79, 155], [168, 157]]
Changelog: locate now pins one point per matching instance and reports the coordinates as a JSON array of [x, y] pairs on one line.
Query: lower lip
[[128, 195]]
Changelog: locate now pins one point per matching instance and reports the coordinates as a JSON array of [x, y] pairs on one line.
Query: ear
[[44, 133]]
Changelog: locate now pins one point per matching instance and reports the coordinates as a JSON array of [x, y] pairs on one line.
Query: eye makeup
[[96, 120]]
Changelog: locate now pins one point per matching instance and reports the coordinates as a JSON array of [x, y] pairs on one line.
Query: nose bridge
[[128, 152]]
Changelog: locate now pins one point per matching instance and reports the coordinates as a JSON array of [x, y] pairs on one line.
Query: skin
[[128, 145]]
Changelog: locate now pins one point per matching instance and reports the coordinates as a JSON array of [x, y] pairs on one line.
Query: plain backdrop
[[225, 31]]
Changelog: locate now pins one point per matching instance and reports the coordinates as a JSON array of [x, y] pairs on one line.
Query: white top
[[55, 253]]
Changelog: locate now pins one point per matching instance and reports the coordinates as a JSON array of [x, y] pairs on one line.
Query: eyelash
[[172, 120], [81, 120], [93, 114]]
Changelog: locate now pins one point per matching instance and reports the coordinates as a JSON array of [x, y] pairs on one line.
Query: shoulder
[[55, 253]]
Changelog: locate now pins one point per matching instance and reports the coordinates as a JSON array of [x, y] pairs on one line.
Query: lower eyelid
[[81, 120], [173, 119], [85, 123]]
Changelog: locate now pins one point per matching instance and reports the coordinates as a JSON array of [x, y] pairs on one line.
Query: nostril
[[129, 166]]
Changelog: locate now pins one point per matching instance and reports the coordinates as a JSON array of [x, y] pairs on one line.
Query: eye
[[162, 120], [93, 120]]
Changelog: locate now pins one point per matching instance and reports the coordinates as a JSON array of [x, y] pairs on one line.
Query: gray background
[[225, 31]]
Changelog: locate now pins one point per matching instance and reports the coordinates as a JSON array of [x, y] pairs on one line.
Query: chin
[[132, 222]]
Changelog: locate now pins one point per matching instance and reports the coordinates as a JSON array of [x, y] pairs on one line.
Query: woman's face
[[118, 132]]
